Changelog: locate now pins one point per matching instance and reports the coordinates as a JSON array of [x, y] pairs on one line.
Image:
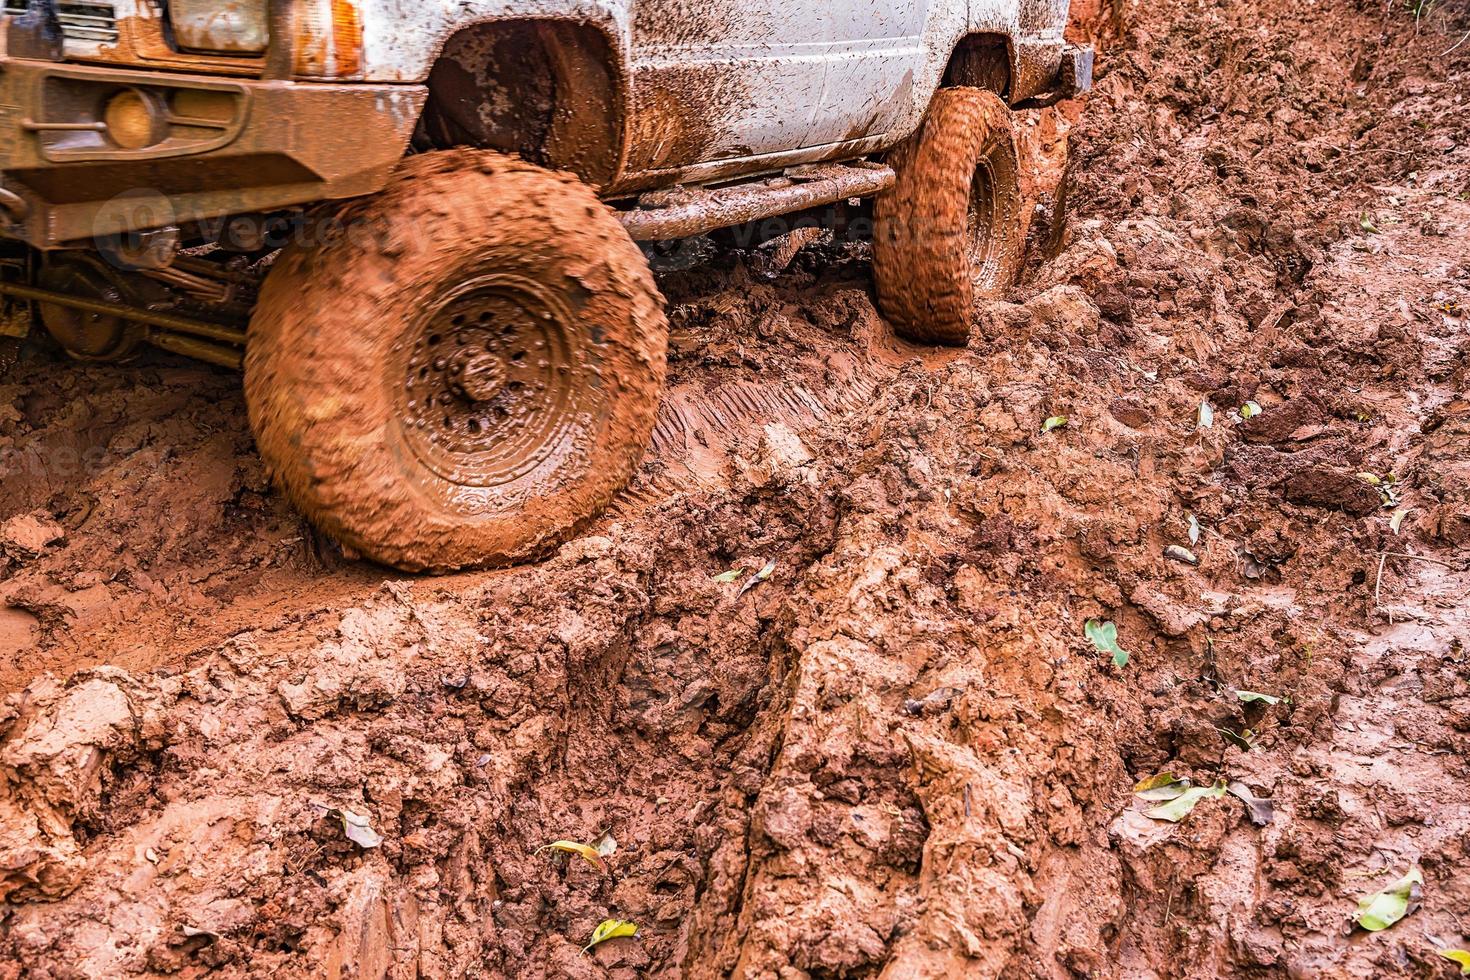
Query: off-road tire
[[471, 280], [953, 228]]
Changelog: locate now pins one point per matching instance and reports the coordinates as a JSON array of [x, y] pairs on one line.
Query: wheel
[[953, 228], [463, 370]]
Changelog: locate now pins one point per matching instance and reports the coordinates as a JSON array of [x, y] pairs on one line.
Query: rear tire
[[953, 228], [464, 370]]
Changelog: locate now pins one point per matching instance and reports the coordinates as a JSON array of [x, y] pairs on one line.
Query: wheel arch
[[553, 91], [982, 59]]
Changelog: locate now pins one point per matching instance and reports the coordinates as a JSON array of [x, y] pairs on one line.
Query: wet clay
[[898, 755]]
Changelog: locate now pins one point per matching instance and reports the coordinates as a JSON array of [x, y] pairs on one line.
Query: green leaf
[[1104, 636], [733, 575], [1397, 521], [1055, 422], [1250, 696], [1177, 809], [1382, 909], [1365, 222], [1206, 415], [610, 929], [1250, 410], [1459, 956], [359, 830], [1372, 479], [1163, 787], [1194, 530], [587, 852]]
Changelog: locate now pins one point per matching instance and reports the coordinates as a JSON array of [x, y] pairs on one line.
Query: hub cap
[[490, 388]]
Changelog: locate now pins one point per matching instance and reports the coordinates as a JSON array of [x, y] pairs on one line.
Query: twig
[[1432, 561], [1378, 582], [1455, 45]]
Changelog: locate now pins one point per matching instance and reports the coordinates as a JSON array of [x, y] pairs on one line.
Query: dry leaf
[[586, 851]]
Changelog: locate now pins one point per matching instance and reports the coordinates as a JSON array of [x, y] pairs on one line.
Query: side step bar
[[209, 342], [687, 211]]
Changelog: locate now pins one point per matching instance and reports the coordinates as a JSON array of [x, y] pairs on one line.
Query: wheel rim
[[490, 388], [982, 242]]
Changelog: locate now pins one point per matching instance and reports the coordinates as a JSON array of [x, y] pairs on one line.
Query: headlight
[[233, 27]]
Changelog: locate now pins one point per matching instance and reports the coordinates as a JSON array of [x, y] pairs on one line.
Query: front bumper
[[231, 147]]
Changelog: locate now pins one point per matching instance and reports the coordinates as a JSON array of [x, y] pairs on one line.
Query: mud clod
[[899, 755]]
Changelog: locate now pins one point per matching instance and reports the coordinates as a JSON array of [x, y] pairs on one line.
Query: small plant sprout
[[1104, 636]]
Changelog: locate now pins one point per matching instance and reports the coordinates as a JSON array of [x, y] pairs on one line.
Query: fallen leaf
[[1250, 410], [586, 851], [1259, 808], [1177, 553], [1382, 909], [731, 576], [1250, 696], [610, 929], [1179, 808], [758, 578], [1245, 740], [606, 845], [1398, 519], [1104, 636], [1055, 422], [1193, 529], [1459, 956], [1161, 788], [1372, 479], [359, 829], [1206, 415]]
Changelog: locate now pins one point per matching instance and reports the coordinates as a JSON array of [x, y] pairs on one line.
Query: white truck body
[[704, 89]]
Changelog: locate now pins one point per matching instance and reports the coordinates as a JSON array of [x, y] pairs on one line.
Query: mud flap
[[1074, 77]]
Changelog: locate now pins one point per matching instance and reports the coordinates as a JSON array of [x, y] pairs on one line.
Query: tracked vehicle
[[420, 228]]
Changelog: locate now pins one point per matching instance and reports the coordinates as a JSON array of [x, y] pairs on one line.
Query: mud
[[898, 755]]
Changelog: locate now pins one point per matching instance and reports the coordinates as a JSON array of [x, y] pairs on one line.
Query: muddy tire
[[953, 228], [463, 370]]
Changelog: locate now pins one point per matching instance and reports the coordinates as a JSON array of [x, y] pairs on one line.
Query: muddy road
[[899, 755]]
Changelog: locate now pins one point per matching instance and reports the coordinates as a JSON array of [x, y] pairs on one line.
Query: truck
[[420, 227]]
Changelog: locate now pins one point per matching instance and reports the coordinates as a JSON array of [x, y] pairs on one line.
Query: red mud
[[899, 756]]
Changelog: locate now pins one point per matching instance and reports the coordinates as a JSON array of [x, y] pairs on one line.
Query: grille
[[88, 20]]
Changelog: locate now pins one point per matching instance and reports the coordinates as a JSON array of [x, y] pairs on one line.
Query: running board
[[687, 211]]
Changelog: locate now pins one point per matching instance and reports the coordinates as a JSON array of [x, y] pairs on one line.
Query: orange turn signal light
[[328, 42]]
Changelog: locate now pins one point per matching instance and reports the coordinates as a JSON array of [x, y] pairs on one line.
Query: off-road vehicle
[[416, 226]]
